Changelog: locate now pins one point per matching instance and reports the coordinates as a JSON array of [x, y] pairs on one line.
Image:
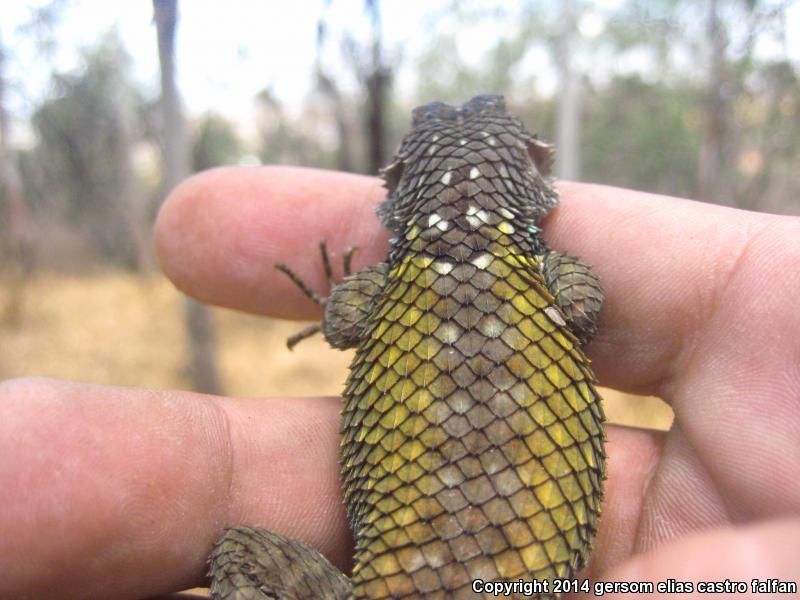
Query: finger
[[763, 551], [122, 492], [666, 265], [220, 234], [633, 456]]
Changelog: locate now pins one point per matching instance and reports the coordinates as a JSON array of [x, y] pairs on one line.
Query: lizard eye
[[495, 105], [432, 110]]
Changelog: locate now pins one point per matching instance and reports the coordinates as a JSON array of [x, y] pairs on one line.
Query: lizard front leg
[[350, 304], [347, 306], [577, 292]]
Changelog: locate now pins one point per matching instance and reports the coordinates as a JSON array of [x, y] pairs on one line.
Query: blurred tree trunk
[[711, 158], [175, 160], [374, 78], [568, 124], [15, 221], [377, 81], [175, 164], [329, 89]]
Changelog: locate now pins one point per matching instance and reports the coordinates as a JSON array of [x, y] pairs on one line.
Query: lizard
[[472, 432]]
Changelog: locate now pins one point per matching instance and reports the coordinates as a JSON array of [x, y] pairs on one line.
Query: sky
[[229, 51], [226, 51]]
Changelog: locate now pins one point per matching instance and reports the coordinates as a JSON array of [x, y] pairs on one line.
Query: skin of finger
[[633, 456], [124, 491], [112, 491], [731, 455], [737, 398], [682, 497], [660, 259], [220, 234], [762, 550], [665, 264]]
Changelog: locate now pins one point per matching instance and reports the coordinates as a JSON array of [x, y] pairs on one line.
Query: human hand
[[122, 492]]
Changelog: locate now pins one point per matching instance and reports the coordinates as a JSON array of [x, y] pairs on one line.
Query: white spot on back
[[435, 137], [555, 315], [442, 267], [463, 404], [472, 209], [493, 327], [506, 213], [443, 225], [463, 142], [482, 261], [433, 219], [491, 141], [474, 173], [493, 460], [446, 178], [449, 332]]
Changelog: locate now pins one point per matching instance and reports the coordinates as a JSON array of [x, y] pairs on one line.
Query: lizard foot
[[347, 259]]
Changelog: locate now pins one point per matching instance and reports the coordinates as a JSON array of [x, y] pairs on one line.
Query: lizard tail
[[256, 564]]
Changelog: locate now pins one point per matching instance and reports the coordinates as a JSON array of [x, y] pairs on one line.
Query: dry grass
[[118, 329]]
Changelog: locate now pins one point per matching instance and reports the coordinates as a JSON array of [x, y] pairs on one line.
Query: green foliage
[[642, 136], [293, 141], [84, 134], [215, 143], [644, 108]]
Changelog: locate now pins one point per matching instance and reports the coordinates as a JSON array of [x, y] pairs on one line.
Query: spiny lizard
[[472, 441]]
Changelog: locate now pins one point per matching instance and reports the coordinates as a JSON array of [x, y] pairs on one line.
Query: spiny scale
[[472, 432]]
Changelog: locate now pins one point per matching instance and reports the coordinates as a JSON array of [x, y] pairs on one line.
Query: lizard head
[[466, 154]]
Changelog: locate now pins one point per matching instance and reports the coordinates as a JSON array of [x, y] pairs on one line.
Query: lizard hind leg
[[256, 564]]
